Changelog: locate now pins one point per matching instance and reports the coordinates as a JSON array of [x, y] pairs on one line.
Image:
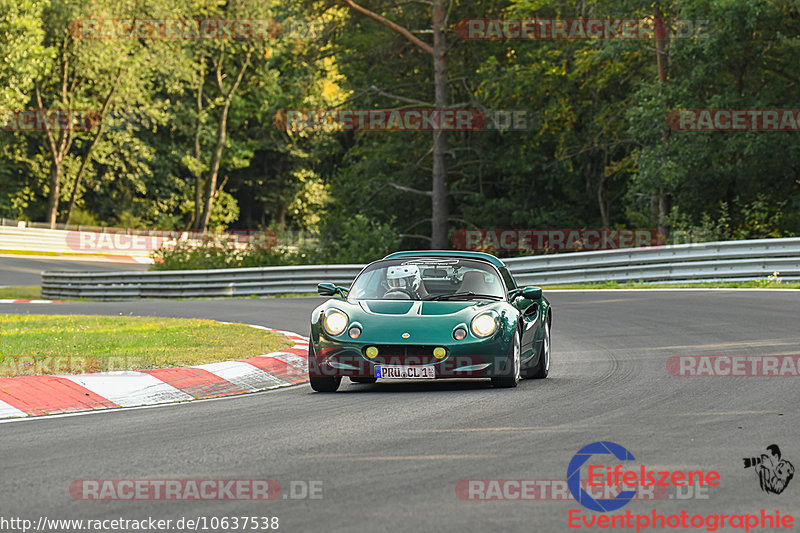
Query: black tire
[[363, 380], [512, 371], [542, 368], [325, 384]]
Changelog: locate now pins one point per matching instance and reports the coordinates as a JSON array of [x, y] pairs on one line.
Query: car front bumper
[[479, 358]]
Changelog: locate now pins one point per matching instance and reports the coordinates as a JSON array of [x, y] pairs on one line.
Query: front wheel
[[512, 369], [542, 368], [325, 384]]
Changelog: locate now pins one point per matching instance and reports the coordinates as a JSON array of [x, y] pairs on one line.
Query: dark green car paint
[[429, 324]]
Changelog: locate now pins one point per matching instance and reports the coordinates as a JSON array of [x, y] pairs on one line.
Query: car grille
[[404, 354]]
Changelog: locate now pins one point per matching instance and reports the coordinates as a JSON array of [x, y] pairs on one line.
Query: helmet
[[403, 277]]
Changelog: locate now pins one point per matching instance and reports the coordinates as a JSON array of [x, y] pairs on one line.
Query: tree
[[88, 76], [227, 94], [438, 192], [24, 54]]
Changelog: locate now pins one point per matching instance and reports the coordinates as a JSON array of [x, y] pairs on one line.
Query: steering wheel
[[401, 290]]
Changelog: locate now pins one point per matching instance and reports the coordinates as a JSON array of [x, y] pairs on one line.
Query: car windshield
[[428, 279]]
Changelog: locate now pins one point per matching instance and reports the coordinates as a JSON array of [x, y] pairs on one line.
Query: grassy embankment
[[74, 344]]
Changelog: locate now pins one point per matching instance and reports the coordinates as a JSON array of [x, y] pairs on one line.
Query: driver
[[405, 279]]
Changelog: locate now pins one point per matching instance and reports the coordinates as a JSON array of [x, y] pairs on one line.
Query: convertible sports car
[[430, 315]]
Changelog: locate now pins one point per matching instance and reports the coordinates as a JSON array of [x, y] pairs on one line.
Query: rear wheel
[[325, 384], [363, 380], [511, 372], [542, 368]]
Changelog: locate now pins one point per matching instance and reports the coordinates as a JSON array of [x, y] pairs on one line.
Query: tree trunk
[[439, 207], [59, 147], [73, 199], [198, 178], [222, 133], [55, 191], [653, 208], [198, 201], [213, 172], [601, 202], [663, 76], [663, 211], [438, 192], [88, 157]]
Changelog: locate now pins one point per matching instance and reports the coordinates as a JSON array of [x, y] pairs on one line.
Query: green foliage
[[597, 151], [85, 218], [24, 55], [760, 219], [344, 239], [354, 239], [190, 257], [220, 253]]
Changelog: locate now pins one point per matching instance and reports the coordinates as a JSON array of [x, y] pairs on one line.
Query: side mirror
[[531, 293], [326, 289], [329, 289]]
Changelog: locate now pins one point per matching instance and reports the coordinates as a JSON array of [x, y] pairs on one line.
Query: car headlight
[[335, 322], [483, 325]]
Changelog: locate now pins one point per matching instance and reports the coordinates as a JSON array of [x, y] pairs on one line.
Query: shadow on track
[[444, 385]]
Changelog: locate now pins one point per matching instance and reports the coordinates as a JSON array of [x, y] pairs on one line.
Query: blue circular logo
[[574, 476]]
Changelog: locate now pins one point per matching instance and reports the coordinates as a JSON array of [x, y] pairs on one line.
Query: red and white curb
[[31, 301], [23, 396]]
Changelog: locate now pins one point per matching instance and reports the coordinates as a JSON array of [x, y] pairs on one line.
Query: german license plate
[[404, 372]]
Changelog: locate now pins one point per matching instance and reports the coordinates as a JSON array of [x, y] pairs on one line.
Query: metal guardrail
[[713, 261], [195, 283], [733, 260]]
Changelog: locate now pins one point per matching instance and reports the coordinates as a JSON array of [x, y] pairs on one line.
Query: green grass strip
[[74, 344]]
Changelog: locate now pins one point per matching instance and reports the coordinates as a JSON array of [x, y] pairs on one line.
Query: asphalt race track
[[390, 455], [27, 270]]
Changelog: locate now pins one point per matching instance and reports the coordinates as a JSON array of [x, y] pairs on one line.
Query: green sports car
[[430, 315]]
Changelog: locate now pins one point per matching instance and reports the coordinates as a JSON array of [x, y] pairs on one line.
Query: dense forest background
[[188, 137]]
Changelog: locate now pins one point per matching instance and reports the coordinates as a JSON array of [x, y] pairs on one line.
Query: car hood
[[415, 322], [417, 308]]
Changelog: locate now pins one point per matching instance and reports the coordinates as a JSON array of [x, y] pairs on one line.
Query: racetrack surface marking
[[6, 301], [22, 396]]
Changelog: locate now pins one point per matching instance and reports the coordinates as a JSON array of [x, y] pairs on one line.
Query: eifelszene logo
[[574, 476], [774, 473], [600, 475]]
